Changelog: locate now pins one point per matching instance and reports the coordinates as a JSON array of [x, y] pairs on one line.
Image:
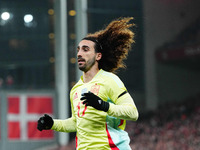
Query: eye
[[86, 48], [78, 48]]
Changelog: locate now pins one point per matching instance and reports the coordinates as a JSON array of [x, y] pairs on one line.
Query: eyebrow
[[84, 46]]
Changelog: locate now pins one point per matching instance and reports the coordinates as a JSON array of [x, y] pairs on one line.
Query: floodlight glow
[[28, 18], [5, 15]]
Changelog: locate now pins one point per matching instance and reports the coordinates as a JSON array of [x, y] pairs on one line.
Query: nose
[[79, 54]]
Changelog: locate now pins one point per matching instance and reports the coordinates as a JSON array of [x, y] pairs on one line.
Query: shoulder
[[111, 78]]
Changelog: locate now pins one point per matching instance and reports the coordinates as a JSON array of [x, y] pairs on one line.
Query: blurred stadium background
[[38, 68]]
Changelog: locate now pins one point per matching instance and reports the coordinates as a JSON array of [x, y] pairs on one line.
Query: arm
[[124, 108], [67, 125], [122, 104], [46, 123]]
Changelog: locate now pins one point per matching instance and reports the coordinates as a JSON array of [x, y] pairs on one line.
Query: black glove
[[45, 123], [91, 99]]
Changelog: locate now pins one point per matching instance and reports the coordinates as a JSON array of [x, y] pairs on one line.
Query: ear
[[98, 56]]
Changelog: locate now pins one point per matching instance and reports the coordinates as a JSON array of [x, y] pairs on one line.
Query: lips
[[81, 60]]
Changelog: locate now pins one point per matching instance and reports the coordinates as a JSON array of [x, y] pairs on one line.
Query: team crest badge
[[95, 89]]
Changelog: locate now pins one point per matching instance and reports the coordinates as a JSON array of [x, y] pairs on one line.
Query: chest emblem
[[95, 89]]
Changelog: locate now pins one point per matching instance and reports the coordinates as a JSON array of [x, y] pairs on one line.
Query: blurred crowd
[[171, 127]]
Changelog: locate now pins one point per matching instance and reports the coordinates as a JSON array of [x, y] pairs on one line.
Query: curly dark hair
[[114, 42]]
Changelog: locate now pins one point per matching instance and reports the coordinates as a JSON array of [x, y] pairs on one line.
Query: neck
[[89, 75]]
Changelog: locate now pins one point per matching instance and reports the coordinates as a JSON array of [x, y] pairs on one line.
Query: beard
[[87, 64]]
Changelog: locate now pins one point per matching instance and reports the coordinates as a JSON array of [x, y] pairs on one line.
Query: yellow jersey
[[99, 130]]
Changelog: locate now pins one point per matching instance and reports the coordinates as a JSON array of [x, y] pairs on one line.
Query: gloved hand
[[45, 123], [93, 100]]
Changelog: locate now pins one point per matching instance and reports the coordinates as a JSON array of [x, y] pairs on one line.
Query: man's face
[[86, 55]]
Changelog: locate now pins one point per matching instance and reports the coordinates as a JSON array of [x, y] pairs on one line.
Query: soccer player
[[100, 102]]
